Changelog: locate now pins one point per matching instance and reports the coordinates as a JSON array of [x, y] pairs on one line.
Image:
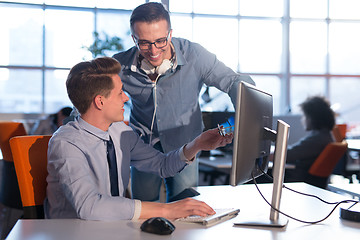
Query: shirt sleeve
[[215, 73], [145, 158], [137, 211], [183, 158]]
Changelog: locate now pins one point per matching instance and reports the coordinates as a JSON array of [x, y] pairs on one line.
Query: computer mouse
[[158, 225]]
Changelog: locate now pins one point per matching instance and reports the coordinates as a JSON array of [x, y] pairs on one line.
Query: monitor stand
[[275, 220]]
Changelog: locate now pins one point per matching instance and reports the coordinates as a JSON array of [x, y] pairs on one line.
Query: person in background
[[84, 180], [163, 76], [49, 124], [319, 120]]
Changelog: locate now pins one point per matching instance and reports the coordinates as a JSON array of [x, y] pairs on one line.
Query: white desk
[[244, 197], [354, 165], [353, 144], [351, 189]]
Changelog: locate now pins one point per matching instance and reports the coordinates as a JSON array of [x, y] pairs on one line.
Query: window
[[303, 87], [42, 40], [344, 48], [21, 34], [291, 48], [66, 32], [308, 54], [260, 46]]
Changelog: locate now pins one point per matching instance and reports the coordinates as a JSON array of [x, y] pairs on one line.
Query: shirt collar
[[180, 59], [104, 135], [134, 64]]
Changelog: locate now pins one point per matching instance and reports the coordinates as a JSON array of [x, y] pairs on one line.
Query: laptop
[[221, 215]]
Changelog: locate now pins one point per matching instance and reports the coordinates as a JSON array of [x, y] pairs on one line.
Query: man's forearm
[[191, 149]]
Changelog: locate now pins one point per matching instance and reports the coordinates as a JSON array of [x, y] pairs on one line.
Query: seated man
[[83, 182]]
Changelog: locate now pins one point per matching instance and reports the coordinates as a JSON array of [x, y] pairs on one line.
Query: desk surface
[[351, 189], [244, 197], [353, 144]]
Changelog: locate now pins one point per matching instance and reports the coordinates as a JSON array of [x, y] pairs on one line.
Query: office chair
[[339, 132], [322, 168], [30, 159]]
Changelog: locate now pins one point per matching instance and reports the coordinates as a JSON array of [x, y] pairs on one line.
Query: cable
[[159, 70], [298, 192], [296, 219], [155, 107], [352, 205]]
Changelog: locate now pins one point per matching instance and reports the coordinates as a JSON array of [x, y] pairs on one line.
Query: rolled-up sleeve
[[137, 211], [215, 73]]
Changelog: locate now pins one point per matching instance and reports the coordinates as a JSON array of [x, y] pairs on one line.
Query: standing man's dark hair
[[149, 12]]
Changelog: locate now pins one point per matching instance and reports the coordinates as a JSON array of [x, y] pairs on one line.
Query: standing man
[[164, 76]]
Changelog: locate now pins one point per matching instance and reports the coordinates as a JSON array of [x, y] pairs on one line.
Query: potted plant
[[101, 46]]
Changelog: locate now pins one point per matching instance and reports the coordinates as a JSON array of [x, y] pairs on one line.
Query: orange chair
[[30, 159], [7, 131], [339, 132], [325, 163], [343, 129]]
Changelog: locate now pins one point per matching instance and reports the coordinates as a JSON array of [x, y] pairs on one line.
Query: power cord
[[310, 195], [160, 70], [155, 109], [298, 192]]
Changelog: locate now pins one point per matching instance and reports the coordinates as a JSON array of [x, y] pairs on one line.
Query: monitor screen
[[212, 119], [251, 149]]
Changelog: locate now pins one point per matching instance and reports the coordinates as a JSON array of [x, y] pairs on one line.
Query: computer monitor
[[252, 141]]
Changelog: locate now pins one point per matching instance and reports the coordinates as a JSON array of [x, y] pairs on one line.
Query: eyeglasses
[[146, 45], [225, 130]]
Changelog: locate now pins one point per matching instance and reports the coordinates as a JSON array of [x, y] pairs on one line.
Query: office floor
[[2, 218], [8, 218]]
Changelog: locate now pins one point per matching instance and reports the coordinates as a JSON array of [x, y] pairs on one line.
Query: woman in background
[[319, 120]]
